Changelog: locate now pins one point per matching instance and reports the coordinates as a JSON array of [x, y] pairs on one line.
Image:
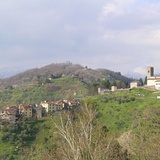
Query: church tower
[[150, 72]]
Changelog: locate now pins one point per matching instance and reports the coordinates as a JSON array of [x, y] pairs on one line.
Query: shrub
[[52, 87], [132, 98]]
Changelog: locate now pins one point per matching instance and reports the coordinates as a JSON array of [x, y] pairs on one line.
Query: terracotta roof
[[47, 102], [11, 108], [154, 78], [27, 107]]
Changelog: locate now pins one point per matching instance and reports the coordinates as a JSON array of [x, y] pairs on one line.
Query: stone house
[[39, 111], [73, 103], [25, 109], [9, 114]]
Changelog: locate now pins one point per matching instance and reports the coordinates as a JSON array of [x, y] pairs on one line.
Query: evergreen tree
[[145, 80], [106, 84], [141, 81]]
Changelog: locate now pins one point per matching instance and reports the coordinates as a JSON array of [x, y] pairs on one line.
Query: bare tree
[[83, 137], [79, 135]]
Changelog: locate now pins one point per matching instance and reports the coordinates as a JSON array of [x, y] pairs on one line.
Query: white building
[[135, 84], [152, 81], [114, 88], [52, 106], [49, 106], [157, 84]]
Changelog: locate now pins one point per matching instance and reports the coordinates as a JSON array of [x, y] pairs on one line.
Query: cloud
[[131, 29], [117, 7], [119, 35], [141, 70]]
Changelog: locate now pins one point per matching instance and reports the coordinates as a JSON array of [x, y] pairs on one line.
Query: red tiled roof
[[12, 108], [154, 78], [27, 107]]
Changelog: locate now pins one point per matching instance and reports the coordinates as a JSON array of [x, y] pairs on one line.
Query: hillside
[[135, 112], [60, 88], [85, 74], [129, 120]]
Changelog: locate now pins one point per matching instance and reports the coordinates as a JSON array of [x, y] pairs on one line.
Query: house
[[9, 114], [114, 88], [28, 111], [59, 105], [21, 108], [135, 84], [47, 105], [51, 106], [25, 109], [39, 111], [73, 103]]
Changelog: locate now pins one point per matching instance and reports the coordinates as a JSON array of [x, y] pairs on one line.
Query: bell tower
[[150, 72]]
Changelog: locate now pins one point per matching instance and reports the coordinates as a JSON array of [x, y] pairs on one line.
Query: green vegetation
[[22, 133], [17, 135], [118, 111], [122, 125], [42, 75], [59, 88]]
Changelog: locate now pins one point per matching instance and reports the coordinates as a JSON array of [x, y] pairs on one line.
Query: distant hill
[[85, 74]]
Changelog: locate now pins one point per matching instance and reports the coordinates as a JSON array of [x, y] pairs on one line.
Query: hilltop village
[[12, 113], [152, 83], [40, 126], [15, 112]]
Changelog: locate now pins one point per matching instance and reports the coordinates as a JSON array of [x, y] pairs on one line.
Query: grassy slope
[[61, 88], [120, 111], [118, 117]]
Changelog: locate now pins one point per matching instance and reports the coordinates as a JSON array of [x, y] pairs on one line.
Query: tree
[[93, 88], [145, 80], [121, 84], [114, 83], [82, 136], [106, 84], [141, 81], [77, 135]]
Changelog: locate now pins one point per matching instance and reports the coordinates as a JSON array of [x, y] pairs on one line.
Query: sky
[[119, 35]]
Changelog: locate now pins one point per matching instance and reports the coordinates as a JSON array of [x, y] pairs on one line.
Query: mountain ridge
[[86, 74]]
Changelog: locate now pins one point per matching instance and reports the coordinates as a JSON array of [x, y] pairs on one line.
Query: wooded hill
[[85, 74]]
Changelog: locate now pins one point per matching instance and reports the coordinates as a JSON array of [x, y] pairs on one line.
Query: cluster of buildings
[[12, 113], [153, 82]]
